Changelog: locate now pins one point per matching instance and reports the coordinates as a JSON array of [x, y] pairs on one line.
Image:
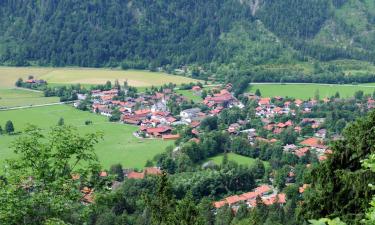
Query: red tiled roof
[[314, 142], [158, 129], [219, 204], [171, 137], [103, 174], [196, 88], [233, 199], [262, 189], [302, 151], [281, 125], [136, 175], [142, 112]]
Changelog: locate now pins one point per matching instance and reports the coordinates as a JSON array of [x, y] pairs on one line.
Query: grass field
[[190, 95], [136, 78], [20, 97], [118, 145], [242, 160], [305, 91]]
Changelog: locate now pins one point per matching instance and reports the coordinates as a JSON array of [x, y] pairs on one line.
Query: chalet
[[158, 131]]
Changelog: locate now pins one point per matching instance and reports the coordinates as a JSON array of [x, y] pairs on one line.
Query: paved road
[[35, 106]]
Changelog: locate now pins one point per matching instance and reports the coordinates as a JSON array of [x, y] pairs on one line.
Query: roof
[[314, 142], [103, 174], [302, 151], [233, 199], [262, 189], [158, 129], [136, 175], [152, 171], [219, 204], [171, 137]]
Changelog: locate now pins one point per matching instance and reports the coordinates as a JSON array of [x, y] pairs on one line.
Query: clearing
[[118, 145], [306, 91], [241, 160]]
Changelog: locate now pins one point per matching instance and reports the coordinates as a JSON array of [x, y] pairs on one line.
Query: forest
[[214, 35]]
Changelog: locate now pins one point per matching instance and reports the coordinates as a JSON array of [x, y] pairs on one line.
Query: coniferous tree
[[9, 127]]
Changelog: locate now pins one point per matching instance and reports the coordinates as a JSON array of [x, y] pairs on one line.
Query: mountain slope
[[151, 33]]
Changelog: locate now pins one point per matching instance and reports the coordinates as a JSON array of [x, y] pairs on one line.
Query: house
[[264, 102], [188, 115], [248, 197], [158, 131]]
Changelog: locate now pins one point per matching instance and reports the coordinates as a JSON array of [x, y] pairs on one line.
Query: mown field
[[306, 91], [136, 78], [20, 97], [190, 95], [117, 146], [241, 160]]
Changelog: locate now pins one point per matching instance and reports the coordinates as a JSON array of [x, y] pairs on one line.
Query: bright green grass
[[118, 145], [190, 95], [136, 78], [305, 91], [21, 97], [242, 160]]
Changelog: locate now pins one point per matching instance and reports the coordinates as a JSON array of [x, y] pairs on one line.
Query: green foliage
[[325, 221], [339, 185], [37, 187]]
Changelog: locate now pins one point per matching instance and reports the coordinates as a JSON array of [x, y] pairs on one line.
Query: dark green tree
[[116, 170], [61, 122], [9, 127], [339, 186]]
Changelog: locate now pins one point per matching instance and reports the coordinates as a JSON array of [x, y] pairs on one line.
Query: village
[[152, 114]]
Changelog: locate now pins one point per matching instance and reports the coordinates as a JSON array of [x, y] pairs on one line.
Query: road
[[35, 106]]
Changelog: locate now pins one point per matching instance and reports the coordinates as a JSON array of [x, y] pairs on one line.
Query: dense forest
[[145, 33]]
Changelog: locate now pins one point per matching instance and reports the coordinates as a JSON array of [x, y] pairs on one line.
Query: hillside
[[148, 34]]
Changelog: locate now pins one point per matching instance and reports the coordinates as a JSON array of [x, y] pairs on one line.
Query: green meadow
[[21, 97], [306, 91], [118, 144], [190, 95]]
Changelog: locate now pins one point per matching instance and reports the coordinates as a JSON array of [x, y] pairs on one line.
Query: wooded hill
[[146, 33]]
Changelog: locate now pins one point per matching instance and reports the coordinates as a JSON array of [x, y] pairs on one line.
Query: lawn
[[305, 91], [190, 95], [117, 146], [20, 97], [242, 160], [136, 78]]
